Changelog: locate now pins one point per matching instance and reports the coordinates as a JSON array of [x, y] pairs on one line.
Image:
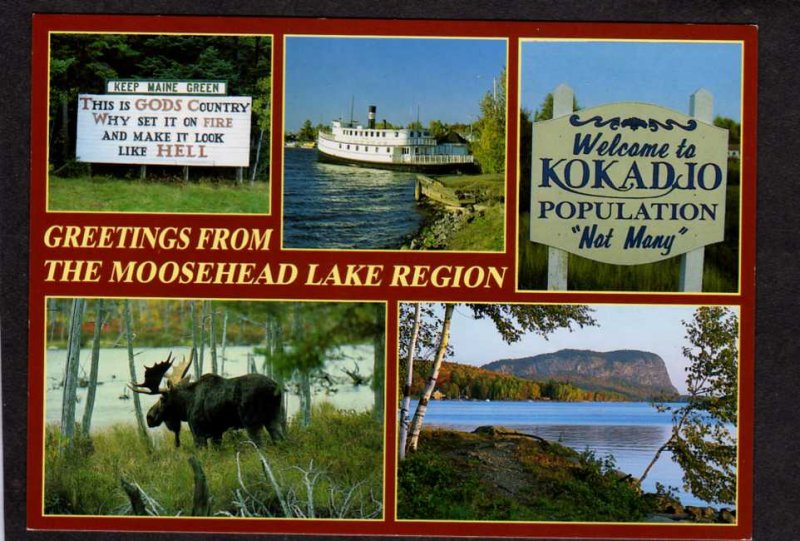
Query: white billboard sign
[[164, 130], [628, 183]]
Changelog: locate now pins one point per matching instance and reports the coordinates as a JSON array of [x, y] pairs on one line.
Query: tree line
[[81, 63], [459, 381]]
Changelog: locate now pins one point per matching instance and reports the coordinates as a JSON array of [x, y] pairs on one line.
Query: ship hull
[[426, 168]]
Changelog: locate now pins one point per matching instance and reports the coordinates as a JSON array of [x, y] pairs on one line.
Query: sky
[[653, 328], [446, 78], [663, 73]]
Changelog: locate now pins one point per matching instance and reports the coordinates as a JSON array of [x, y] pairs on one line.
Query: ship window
[[348, 147], [387, 149], [356, 147], [396, 134], [376, 149], [383, 134], [340, 145]]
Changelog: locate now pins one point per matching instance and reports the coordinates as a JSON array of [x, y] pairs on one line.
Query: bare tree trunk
[[305, 398], [305, 379], [224, 339], [65, 148], [419, 415], [379, 363], [132, 366], [193, 317], [258, 156], [71, 371], [212, 340], [404, 410], [135, 496], [675, 431], [92, 390], [201, 505], [203, 316]]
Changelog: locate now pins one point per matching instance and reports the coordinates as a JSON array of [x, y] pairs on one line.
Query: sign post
[[701, 107]]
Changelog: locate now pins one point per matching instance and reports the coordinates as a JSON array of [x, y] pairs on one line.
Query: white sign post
[[164, 130], [628, 184]]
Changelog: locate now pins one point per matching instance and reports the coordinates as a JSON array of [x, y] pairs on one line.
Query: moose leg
[[255, 434], [176, 428], [200, 441], [275, 430]]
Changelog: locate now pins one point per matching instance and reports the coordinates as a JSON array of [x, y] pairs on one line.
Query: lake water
[[113, 375], [335, 206], [631, 432]]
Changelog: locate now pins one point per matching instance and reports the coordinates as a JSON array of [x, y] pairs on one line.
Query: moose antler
[[180, 370], [152, 377]]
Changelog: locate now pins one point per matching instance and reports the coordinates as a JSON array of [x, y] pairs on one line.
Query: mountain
[[638, 375], [470, 382]]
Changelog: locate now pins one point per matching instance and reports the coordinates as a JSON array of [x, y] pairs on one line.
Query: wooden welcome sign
[[628, 183]]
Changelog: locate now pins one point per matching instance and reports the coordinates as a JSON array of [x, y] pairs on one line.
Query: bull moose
[[212, 404]]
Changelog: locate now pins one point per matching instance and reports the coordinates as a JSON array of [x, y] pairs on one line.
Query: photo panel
[[534, 413], [630, 165], [159, 123], [394, 143], [148, 400]]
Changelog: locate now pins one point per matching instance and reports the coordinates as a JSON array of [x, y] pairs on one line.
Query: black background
[[777, 478]]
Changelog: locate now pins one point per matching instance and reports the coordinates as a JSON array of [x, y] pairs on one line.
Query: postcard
[[407, 277]]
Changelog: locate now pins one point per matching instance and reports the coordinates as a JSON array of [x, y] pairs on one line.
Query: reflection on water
[[630, 432], [334, 206], [113, 375]]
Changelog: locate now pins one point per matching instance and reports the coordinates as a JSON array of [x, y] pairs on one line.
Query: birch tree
[[212, 340], [92, 389], [70, 396], [703, 438], [406, 407], [137, 405], [379, 362]]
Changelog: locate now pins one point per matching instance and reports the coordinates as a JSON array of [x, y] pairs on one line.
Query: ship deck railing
[[438, 158]]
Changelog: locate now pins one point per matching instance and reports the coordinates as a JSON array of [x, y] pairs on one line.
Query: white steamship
[[350, 143]]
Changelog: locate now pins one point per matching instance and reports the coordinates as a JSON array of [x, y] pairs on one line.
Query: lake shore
[[495, 473], [479, 226]]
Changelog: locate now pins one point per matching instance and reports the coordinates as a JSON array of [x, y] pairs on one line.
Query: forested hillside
[[469, 382]]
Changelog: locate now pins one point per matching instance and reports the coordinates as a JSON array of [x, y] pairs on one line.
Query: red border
[[40, 220]]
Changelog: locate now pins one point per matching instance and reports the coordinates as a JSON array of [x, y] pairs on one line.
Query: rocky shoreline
[[439, 225], [668, 509]]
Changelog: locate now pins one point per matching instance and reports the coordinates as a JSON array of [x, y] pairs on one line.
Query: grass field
[[332, 469], [99, 194], [720, 272]]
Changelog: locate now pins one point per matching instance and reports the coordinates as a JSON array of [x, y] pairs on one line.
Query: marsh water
[[113, 404], [336, 206], [630, 432]]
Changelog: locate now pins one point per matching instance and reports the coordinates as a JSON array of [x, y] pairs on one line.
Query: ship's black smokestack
[[371, 117]]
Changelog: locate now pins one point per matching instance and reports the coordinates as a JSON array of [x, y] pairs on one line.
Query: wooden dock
[[436, 191]]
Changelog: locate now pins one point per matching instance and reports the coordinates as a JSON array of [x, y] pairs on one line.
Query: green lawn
[[99, 194]]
